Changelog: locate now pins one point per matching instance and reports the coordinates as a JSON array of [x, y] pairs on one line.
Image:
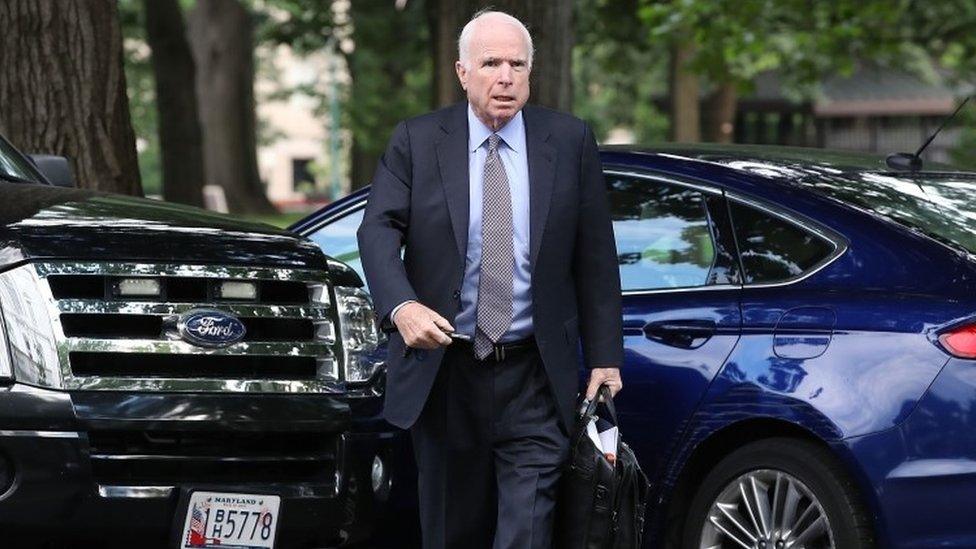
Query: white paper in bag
[[608, 441], [594, 435], [605, 441]]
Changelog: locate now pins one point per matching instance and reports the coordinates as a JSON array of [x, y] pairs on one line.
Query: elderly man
[[502, 213]]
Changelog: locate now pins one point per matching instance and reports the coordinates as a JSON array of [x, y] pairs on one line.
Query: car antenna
[[913, 162]]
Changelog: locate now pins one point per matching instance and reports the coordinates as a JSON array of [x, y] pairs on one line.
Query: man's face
[[496, 78]]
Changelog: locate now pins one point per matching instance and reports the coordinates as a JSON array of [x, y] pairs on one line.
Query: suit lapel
[[452, 160], [542, 158]]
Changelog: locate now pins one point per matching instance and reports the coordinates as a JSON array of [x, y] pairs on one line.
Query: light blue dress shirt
[[512, 151]]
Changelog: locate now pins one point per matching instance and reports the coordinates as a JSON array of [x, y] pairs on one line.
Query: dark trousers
[[489, 449]]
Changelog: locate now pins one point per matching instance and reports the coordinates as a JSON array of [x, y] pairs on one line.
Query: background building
[[296, 140], [877, 110]]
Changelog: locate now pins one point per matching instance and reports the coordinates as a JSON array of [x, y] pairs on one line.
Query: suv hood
[[41, 222]]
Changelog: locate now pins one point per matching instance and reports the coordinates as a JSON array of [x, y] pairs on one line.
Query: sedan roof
[[766, 160]]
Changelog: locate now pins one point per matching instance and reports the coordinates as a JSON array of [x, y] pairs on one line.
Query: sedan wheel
[[778, 493], [766, 509]]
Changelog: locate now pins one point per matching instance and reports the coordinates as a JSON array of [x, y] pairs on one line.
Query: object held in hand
[[459, 336], [453, 335], [602, 492]]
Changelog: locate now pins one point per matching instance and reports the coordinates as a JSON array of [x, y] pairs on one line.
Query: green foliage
[[617, 70], [304, 25], [945, 30], [391, 70], [735, 40]]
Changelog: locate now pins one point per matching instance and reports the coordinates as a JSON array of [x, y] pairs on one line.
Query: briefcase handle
[[603, 393]]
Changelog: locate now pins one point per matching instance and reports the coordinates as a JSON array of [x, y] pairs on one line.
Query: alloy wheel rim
[[766, 509]]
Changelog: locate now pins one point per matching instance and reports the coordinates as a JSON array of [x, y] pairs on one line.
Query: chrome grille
[[134, 458], [107, 342], [175, 289]]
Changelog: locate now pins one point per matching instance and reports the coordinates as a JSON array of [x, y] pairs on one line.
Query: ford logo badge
[[210, 328]]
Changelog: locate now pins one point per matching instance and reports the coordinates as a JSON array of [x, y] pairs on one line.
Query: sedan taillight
[[961, 341]]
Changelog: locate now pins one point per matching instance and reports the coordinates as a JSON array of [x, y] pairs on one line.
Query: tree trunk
[[176, 103], [362, 165], [446, 19], [720, 107], [683, 84], [221, 34], [62, 88], [551, 26]]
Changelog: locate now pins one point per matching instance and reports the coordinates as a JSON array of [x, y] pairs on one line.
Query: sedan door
[[681, 285]]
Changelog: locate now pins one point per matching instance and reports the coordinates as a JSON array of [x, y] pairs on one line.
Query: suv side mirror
[[55, 169]]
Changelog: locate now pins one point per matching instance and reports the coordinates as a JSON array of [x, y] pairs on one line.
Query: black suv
[[170, 376]]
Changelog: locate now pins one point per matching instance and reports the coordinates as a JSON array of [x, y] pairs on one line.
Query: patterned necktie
[[497, 255]]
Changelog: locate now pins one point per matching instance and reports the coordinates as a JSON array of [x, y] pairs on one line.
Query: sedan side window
[[338, 239], [773, 249], [662, 234]]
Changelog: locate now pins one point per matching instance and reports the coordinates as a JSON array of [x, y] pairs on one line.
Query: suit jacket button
[[456, 294]]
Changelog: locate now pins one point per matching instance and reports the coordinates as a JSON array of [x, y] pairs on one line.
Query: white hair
[[464, 39]]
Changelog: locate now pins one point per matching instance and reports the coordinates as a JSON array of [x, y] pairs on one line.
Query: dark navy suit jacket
[[419, 200]]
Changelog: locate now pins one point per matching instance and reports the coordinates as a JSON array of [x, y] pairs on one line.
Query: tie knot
[[493, 140]]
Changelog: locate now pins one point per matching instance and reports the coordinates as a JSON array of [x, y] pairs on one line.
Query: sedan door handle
[[685, 334]]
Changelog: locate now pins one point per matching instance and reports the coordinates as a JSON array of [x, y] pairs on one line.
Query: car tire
[[795, 478]]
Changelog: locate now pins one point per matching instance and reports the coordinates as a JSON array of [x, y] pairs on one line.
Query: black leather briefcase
[[600, 504], [632, 490]]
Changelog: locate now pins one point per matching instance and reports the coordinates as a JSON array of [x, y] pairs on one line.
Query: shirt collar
[[512, 133]]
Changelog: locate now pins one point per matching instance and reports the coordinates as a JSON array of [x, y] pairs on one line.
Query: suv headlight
[[6, 366], [28, 351], [360, 338]]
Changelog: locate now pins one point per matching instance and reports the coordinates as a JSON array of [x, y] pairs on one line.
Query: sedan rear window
[[941, 206], [774, 249]]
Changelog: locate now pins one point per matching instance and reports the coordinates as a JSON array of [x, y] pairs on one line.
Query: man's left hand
[[600, 376]]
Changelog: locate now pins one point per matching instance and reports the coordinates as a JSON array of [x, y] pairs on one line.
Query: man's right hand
[[421, 327]]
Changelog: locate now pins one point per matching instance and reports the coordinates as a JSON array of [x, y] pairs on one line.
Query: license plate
[[230, 521]]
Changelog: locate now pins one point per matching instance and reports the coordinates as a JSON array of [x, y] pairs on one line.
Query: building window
[[301, 177]]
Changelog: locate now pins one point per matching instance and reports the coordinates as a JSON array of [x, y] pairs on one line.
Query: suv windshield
[[13, 166], [942, 206]]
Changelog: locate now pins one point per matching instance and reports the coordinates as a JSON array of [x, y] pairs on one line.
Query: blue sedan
[[800, 336]]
